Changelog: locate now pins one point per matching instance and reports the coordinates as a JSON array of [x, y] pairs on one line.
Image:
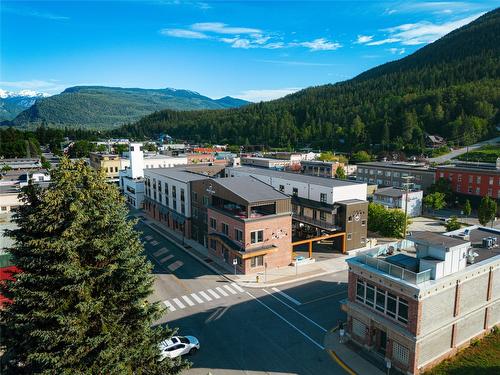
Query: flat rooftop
[[472, 166], [398, 165], [176, 174], [308, 179], [476, 236], [436, 239]]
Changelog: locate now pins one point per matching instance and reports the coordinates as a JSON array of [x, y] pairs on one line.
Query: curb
[[337, 359], [243, 284]]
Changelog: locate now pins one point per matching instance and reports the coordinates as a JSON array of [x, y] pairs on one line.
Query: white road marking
[[237, 287], [188, 301], [179, 303], [229, 288], [287, 296], [213, 293], [206, 296], [175, 265], [149, 238], [286, 321], [169, 306], [164, 259], [298, 312], [154, 243], [222, 291], [196, 298], [162, 251]]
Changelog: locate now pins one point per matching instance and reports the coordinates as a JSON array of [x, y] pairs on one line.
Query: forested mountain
[[105, 107], [13, 103], [450, 87]]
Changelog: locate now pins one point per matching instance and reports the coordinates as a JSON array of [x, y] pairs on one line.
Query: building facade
[[319, 204], [414, 308], [320, 168], [398, 198], [474, 179], [394, 174], [254, 161], [110, 164]]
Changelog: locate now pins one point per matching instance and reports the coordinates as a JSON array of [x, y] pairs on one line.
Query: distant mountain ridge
[[12, 103], [107, 107]]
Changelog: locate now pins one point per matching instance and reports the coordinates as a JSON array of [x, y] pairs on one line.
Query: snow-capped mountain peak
[[4, 94]]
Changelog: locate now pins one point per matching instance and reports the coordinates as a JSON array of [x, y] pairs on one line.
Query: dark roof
[[315, 180], [404, 261], [488, 168], [250, 189], [436, 239]]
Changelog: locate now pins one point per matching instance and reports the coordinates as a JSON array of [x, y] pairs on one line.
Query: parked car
[[179, 345]]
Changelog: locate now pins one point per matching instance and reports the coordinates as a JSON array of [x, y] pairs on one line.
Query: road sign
[[235, 262]]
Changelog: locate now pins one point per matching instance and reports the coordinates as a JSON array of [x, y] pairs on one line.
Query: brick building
[[419, 304], [476, 179]]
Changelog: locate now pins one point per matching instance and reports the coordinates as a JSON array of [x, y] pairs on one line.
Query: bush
[[452, 224]]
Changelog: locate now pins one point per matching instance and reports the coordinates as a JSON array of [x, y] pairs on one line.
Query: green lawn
[[487, 154], [481, 358]]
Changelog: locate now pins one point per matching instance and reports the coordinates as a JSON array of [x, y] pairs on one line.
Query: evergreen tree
[[467, 208], [80, 301], [487, 211]]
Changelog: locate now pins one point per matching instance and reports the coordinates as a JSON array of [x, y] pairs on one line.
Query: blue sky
[[255, 50]]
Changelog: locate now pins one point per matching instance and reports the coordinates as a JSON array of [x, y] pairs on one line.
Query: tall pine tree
[[80, 301]]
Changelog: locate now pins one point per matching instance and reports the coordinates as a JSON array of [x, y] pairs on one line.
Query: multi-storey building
[[385, 173], [320, 168], [111, 164], [249, 223], [479, 179], [412, 308], [272, 163], [398, 198], [320, 205]]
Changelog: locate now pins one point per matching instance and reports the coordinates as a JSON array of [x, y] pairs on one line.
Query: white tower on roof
[[136, 156]]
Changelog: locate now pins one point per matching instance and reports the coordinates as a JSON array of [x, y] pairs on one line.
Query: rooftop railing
[[396, 271]]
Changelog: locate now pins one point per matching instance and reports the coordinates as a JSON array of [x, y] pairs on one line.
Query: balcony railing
[[393, 270], [315, 222]]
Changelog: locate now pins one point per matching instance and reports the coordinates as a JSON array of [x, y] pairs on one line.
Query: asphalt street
[[245, 330]]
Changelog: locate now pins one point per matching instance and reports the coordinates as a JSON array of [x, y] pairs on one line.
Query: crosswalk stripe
[[237, 287], [172, 267], [206, 296], [169, 306], [286, 296], [188, 301], [179, 303], [229, 288], [221, 291], [196, 298], [164, 259], [149, 238], [213, 293], [154, 243], [162, 251]]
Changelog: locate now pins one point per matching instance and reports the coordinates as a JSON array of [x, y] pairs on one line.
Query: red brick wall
[[484, 185]]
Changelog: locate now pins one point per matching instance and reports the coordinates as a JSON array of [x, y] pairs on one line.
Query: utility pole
[[406, 185]]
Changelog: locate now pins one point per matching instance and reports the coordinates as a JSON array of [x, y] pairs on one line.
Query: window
[[257, 261], [195, 212], [166, 188], [400, 353], [441, 175], [469, 189], [4, 208], [380, 301], [383, 301], [478, 191], [391, 305], [315, 214], [491, 181], [282, 188], [402, 310], [322, 216], [257, 236], [213, 244], [174, 191], [363, 223], [205, 200], [478, 179], [295, 192], [388, 173], [183, 208], [370, 294], [213, 223], [458, 188], [349, 219], [349, 236], [225, 229], [459, 178], [183, 198], [174, 204], [358, 328], [490, 192], [360, 291], [322, 197], [195, 196], [238, 235], [470, 179]]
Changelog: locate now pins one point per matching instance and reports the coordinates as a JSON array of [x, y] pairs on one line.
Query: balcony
[[393, 270], [315, 222]]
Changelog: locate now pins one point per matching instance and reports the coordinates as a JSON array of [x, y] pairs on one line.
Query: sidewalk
[[273, 277], [347, 358]]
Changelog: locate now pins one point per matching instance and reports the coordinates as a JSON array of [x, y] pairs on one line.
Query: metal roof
[[436, 239], [175, 174], [250, 189]]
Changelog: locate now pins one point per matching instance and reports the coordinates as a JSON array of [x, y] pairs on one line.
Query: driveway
[[463, 150]]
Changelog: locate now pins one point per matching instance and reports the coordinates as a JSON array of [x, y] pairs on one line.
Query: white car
[[179, 345]]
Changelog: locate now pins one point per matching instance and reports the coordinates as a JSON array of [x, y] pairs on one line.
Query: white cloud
[[183, 33], [320, 44], [397, 51], [266, 94], [364, 39], [222, 28], [383, 41], [30, 12], [426, 32], [294, 63]]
